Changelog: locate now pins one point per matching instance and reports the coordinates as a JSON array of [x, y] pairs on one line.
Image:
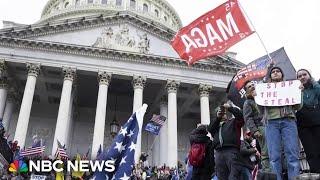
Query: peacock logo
[[18, 167]]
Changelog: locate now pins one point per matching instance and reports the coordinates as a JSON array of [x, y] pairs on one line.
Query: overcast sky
[[293, 25]]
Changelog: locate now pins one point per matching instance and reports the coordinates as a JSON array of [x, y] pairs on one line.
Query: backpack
[[197, 154]]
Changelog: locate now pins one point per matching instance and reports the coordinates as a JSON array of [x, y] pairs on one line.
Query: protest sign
[[283, 93]]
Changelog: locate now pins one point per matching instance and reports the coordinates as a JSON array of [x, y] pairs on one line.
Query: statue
[[123, 38], [144, 44], [106, 39]]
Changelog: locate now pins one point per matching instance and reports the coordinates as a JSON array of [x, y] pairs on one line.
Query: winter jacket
[[229, 130], [246, 150], [251, 115], [204, 172], [310, 112]]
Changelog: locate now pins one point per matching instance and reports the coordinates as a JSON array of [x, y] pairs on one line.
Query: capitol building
[[87, 65]]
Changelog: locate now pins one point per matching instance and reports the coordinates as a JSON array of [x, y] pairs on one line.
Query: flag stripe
[[158, 119], [32, 151], [62, 153]]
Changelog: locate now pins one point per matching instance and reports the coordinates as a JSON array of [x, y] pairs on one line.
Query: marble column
[[104, 79], [10, 105], [26, 104], [64, 107], [70, 117], [172, 155], [204, 91], [3, 88], [163, 136], [138, 83]]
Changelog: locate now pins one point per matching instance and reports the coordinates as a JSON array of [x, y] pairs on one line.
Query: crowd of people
[[258, 141]]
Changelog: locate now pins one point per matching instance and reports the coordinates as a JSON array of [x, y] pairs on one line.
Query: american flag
[[61, 152], [122, 151], [159, 119], [31, 151]]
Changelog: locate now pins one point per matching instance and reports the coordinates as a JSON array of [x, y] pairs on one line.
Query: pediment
[[122, 36], [121, 33]]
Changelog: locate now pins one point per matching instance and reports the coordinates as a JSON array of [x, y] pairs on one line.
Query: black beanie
[[276, 67]]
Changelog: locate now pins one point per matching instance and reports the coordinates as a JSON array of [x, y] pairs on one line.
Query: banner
[[212, 33], [283, 93], [153, 128], [256, 71]]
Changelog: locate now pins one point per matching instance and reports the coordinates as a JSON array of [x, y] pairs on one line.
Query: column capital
[[33, 69], [104, 77], [172, 86], [69, 73], [139, 81], [205, 89]]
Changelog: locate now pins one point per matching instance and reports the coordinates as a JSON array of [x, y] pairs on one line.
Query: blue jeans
[[246, 174], [283, 131]]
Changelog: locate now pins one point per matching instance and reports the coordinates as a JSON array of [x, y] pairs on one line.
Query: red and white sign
[[212, 33], [278, 94]]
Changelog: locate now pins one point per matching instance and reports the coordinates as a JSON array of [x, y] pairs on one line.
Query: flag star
[[209, 50], [125, 177], [214, 49], [118, 146], [132, 146], [123, 148], [220, 47], [130, 134], [123, 131], [212, 17], [202, 20], [123, 160], [204, 50], [113, 159], [207, 19]]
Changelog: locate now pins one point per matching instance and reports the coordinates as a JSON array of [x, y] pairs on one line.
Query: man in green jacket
[[253, 121]]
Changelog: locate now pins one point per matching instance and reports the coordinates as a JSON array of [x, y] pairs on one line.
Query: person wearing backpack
[[201, 154], [226, 136]]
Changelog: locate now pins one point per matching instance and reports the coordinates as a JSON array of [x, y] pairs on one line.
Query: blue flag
[[153, 128], [122, 151]]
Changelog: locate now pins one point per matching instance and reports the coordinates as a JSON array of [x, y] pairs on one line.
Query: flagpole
[[154, 140], [254, 29]]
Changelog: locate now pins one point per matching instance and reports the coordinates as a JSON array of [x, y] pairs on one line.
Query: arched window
[[145, 8], [118, 2], [90, 1], [165, 18], [156, 12], [77, 2], [104, 1], [132, 4]]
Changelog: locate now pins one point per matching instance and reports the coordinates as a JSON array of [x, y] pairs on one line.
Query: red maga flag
[[212, 33]]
